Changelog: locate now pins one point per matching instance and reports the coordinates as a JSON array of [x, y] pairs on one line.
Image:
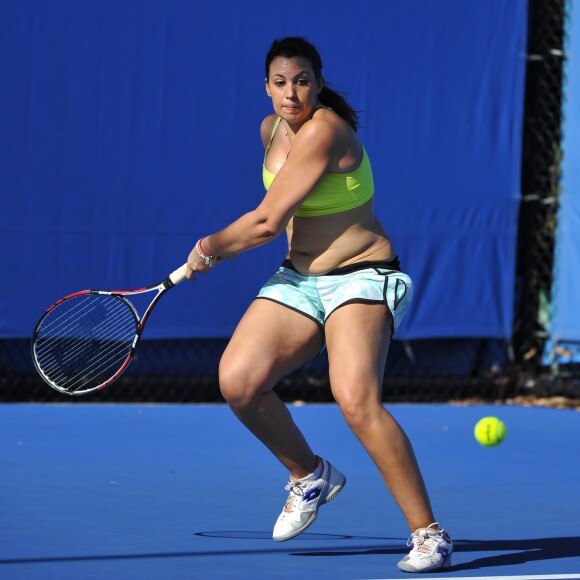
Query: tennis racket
[[85, 341]]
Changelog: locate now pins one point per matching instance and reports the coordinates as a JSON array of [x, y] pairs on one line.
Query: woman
[[340, 286]]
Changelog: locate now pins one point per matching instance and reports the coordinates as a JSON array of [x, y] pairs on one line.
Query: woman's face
[[293, 88]]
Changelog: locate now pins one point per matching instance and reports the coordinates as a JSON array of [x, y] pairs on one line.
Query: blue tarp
[[129, 129]]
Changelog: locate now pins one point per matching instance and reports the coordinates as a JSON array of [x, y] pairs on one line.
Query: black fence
[[418, 370], [541, 172], [186, 371]]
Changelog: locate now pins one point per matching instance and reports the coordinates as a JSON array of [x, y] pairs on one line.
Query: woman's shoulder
[[330, 131], [267, 127], [327, 126], [325, 119]]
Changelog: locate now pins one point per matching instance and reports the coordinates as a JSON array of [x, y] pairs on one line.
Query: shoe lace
[[423, 539], [296, 489]]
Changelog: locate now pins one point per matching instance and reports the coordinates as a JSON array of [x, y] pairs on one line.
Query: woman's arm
[[307, 162]]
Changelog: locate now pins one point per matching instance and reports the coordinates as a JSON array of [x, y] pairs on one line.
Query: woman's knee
[[233, 385], [239, 383], [359, 410]]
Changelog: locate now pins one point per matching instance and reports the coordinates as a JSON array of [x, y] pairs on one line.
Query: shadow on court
[[520, 551], [233, 534]]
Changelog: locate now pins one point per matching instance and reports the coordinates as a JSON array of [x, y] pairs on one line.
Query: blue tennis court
[[183, 491]]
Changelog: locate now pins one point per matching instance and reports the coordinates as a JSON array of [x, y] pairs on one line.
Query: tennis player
[[340, 286]]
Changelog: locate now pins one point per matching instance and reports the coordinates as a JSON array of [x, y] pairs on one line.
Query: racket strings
[[67, 324], [77, 361], [105, 330], [84, 341]]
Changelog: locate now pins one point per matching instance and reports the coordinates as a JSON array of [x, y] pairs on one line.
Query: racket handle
[[178, 275]]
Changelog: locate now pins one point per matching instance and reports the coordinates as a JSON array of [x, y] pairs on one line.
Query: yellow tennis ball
[[489, 431]]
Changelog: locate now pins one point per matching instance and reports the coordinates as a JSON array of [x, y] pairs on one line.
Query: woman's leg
[[270, 342], [357, 339]]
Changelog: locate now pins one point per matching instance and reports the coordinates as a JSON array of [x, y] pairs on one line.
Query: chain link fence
[[186, 371], [420, 370], [541, 174]]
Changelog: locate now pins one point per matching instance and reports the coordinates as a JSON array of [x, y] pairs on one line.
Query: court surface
[[185, 492]]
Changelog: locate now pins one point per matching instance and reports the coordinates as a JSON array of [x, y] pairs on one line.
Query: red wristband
[[208, 260], [202, 250]]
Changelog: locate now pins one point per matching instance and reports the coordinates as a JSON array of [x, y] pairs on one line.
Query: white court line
[[526, 577]]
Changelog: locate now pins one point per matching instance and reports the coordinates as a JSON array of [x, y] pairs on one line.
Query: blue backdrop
[[129, 129]]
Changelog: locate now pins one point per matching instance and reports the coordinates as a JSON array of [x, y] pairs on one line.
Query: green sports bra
[[336, 192]]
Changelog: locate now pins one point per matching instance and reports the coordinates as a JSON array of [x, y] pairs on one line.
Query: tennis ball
[[489, 431]]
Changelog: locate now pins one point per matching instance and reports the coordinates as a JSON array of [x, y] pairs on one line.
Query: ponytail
[[336, 101]]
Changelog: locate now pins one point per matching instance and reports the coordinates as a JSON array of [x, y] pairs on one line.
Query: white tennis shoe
[[305, 497], [431, 550]]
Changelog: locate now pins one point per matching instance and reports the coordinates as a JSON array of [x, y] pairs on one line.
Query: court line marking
[[525, 577]]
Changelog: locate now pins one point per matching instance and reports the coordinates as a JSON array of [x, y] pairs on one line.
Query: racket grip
[[178, 275]]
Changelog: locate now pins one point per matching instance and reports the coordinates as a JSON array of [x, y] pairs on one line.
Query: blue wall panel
[[129, 129]]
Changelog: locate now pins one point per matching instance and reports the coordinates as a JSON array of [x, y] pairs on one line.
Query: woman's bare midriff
[[328, 242]]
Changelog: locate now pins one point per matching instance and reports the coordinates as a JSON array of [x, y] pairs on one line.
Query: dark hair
[[293, 46]]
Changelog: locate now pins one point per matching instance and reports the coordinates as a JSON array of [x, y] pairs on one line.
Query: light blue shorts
[[317, 297]]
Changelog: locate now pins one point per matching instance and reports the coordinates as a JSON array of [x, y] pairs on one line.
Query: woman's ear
[[267, 88], [320, 85]]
